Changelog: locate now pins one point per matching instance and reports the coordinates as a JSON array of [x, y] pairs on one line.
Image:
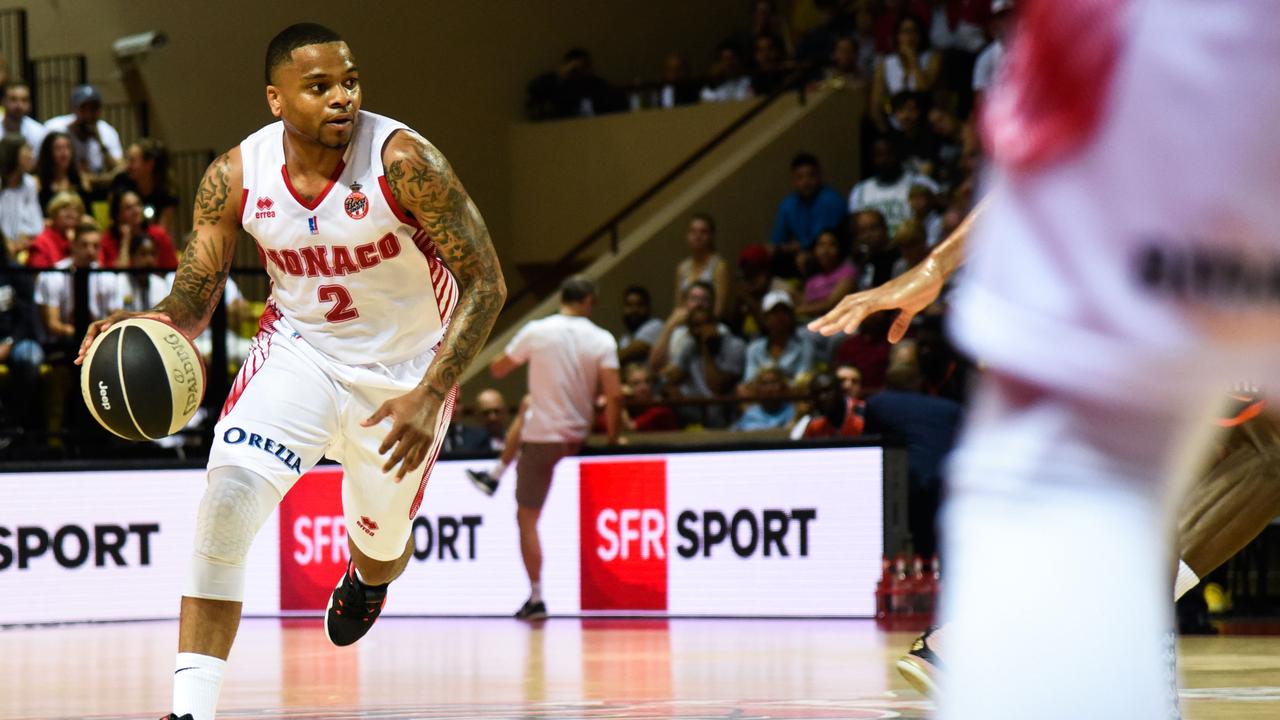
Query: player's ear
[[273, 100]]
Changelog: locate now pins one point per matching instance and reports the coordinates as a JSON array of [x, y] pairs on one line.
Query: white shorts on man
[[1113, 294]]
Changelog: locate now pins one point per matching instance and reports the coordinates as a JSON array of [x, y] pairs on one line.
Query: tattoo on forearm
[[424, 184], [202, 270]]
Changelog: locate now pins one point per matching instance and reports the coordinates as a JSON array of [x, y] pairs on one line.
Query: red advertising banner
[[313, 540], [623, 521]]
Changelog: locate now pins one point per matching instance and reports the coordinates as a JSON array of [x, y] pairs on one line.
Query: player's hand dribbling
[[414, 415], [100, 326]]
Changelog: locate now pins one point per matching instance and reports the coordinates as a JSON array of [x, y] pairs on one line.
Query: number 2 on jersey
[[344, 308]]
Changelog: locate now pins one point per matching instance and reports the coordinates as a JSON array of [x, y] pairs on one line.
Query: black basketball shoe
[[532, 610], [353, 607], [483, 481], [171, 716]]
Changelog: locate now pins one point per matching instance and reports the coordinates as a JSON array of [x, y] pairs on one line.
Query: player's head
[[313, 84], [578, 293]]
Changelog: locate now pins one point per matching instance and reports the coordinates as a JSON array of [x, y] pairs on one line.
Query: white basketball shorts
[[290, 406]]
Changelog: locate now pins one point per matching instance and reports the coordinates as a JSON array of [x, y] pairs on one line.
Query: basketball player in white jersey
[[384, 286], [1122, 276]]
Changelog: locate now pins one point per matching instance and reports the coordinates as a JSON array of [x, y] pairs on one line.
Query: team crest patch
[[356, 204]]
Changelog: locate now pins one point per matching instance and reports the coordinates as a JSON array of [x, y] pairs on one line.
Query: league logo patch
[[356, 204]]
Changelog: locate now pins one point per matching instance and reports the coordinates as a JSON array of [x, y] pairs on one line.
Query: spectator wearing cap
[[990, 60], [97, 144], [833, 277], [703, 263], [643, 329], [802, 215], [783, 344], [17, 115], [756, 280]]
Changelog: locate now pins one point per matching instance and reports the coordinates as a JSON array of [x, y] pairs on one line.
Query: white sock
[[1185, 582], [196, 682], [499, 468], [535, 592]]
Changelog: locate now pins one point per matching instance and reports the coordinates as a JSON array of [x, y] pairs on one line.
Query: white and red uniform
[[359, 302], [1126, 271]]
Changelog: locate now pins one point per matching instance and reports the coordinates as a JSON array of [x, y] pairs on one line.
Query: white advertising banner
[[794, 532]]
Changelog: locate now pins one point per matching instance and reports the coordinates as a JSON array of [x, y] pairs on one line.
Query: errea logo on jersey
[[265, 205]]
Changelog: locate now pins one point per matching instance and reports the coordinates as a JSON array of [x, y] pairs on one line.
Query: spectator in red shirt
[[639, 415], [834, 413], [128, 222], [54, 242]]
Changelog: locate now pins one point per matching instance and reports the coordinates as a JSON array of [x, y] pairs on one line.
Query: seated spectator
[[842, 68], [58, 170], [746, 319], [97, 143], [17, 120], [783, 345], [20, 350], [147, 173], [863, 35], [55, 289], [129, 225], [873, 248], [911, 66], [925, 212], [928, 425], [802, 215], [677, 87], [708, 365], [912, 136], [54, 241], [675, 331], [729, 80], [642, 328], [889, 189], [639, 414], [20, 217], [889, 16], [768, 74], [818, 44], [959, 25], [833, 277], [913, 245], [992, 58], [703, 263], [772, 410], [833, 415], [573, 90], [490, 435], [765, 20], [850, 379], [868, 350]]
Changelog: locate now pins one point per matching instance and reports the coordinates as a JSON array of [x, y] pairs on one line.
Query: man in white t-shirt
[[97, 144], [989, 61], [17, 115], [55, 289], [570, 360], [889, 190]]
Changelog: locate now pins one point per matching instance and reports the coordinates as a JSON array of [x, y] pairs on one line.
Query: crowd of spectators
[[71, 197]]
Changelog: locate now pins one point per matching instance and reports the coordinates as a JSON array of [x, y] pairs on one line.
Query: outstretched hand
[[908, 293], [413, 431], [100, 326]]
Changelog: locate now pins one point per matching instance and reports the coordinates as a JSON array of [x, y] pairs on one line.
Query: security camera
[[139, 44]]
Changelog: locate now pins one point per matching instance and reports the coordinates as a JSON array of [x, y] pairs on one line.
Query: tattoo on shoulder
[[211, 196]]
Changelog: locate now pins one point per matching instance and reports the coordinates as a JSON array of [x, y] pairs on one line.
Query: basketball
[[142, 379]]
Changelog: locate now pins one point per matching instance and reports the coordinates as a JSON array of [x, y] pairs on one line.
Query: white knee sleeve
[[235, 504]]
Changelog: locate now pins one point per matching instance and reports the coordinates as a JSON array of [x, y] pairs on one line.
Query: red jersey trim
[[333, 179], [244, 203], [403, 216]]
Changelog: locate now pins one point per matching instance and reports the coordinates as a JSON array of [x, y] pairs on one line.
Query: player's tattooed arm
[[202, 270], [424, 184]]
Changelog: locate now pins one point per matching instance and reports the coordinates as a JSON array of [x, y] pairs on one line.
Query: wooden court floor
[[567, 668]]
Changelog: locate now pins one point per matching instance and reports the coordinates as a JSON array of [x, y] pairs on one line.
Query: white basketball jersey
[[1153, 251], [351, 271]]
